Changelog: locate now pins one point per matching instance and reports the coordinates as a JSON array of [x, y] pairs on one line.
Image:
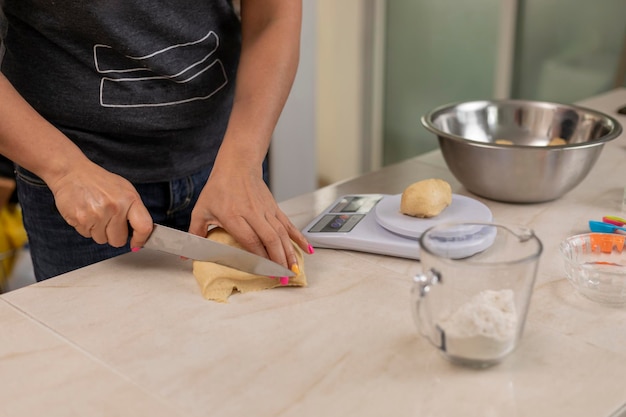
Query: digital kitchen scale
[[373, 223]]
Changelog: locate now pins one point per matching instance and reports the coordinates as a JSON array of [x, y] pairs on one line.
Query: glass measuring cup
[[471, 298]]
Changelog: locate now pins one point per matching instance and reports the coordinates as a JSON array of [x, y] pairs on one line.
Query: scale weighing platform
[[373, 223]]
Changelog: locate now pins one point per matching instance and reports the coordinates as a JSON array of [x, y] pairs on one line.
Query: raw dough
[[504, 142], [557, 142], [426, 198], [218, 282]]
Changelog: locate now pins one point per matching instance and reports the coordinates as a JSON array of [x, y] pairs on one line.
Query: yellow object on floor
[[218, 282], [12, 238]]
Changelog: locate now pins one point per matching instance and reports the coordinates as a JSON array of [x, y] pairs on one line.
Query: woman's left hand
[[241, 203], [235, 196]]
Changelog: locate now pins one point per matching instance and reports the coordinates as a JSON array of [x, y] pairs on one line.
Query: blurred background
[[371, 68], [554, 50]]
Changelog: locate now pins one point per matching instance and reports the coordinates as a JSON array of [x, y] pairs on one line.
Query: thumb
[[200, 227], [141, 223]]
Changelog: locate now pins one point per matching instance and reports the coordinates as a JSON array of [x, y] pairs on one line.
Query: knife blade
[[177, 242]]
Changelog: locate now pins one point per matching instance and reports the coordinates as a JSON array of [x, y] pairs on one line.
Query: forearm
[[268, 64], [32, 142]]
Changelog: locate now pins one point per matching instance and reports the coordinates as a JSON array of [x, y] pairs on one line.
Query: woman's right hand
[[100, 205], [97, 203]]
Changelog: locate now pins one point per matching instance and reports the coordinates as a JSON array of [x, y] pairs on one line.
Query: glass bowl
[[595, 264]]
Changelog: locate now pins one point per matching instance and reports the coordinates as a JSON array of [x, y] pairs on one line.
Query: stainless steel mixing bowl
[[502, 149]]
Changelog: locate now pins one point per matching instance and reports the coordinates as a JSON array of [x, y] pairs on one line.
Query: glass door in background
[[441, 51], [567, 50], [436, 52]]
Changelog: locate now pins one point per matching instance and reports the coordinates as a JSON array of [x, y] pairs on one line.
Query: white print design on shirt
[[141, 86]]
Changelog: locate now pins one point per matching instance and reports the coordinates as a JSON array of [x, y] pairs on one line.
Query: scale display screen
[[346, 214], [356, 204]]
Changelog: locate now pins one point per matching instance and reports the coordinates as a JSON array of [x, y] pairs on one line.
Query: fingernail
[[134, 249], [295, 269], [284, 280], [311, 250]]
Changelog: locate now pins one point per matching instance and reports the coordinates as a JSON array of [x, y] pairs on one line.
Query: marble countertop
[[132, 336]]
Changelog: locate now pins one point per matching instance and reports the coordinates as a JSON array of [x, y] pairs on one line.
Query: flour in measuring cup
[[482, 328]]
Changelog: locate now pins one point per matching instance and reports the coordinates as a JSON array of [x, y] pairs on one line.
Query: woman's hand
[[100, 205], [240, 202], [235, 196], [96, 202]]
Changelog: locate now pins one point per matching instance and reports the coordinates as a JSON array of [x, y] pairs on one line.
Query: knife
[[177, 242]]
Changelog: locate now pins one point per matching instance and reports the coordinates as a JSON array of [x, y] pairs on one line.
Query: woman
[[124, 113]]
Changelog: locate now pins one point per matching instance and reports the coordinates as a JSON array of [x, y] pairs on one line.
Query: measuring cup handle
[[422, 284]]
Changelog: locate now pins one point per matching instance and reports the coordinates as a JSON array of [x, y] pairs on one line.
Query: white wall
[[320, 137], [340, 92], [292, 153]]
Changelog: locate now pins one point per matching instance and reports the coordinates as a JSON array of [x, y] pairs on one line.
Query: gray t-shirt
[[144, 87], [3, 31]]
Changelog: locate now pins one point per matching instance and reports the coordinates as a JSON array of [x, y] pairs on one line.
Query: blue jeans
[[57, 248]]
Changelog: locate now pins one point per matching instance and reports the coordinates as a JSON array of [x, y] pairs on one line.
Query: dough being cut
[[218, 282], [426, 198]]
